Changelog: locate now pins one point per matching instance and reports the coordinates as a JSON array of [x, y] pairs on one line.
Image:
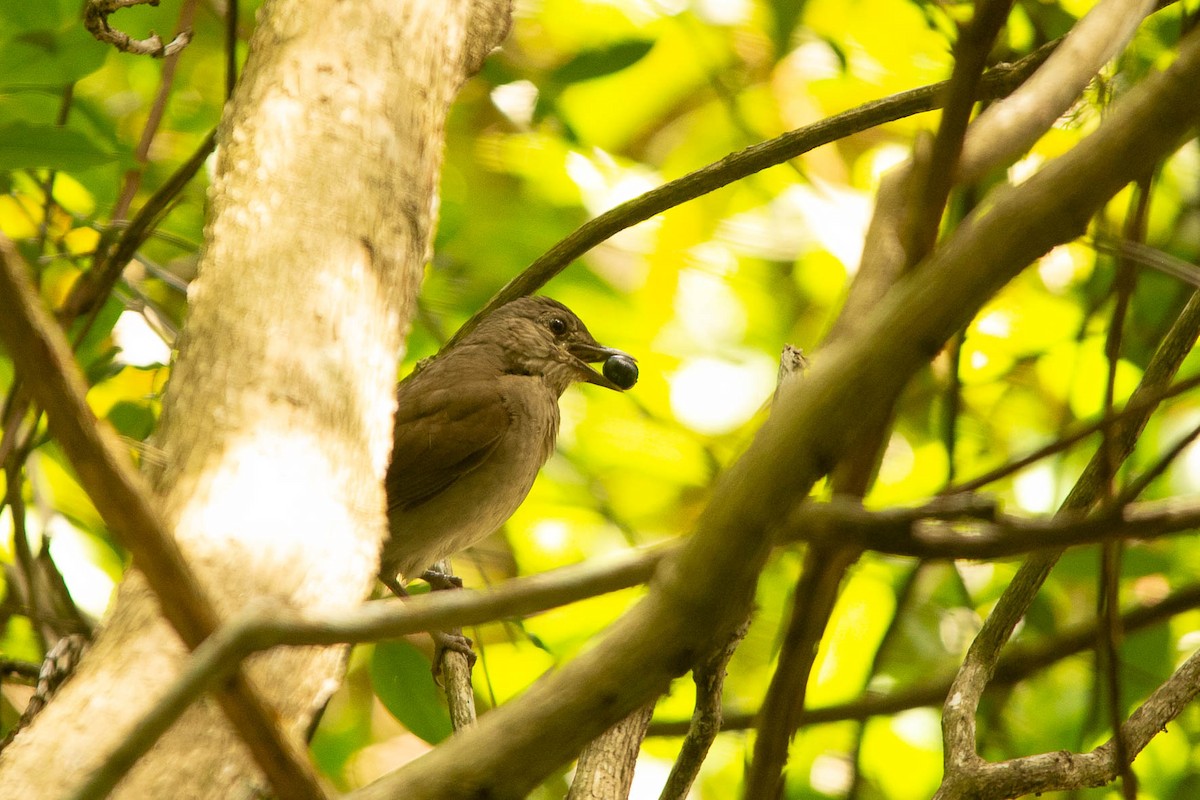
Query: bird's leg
[[439, 578], [442, 640], [395, 586]]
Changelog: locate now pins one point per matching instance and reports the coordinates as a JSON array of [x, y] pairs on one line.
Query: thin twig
[[1136, 407], [95, 19], [997, 82], [30, 586], [94, 285], [815, 593], [1143, 255], [898, 532], [936, 174], [48, 202], [166, 82], [958, 720], [1109, 610], [1016, 664], [1143, 481], [707, 719]]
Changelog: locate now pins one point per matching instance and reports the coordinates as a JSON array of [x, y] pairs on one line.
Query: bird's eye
[[557, 325]]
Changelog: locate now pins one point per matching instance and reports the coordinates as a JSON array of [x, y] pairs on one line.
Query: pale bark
[[606, 765], [276, 424]]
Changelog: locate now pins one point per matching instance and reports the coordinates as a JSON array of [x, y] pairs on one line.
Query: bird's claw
[[452, 642], [441, 580]]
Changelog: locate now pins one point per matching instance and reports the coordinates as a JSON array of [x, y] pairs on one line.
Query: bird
[[474, 426]]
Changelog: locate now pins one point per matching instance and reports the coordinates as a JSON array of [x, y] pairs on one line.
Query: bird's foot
[[444, 642], [441, 580], [447, 641]]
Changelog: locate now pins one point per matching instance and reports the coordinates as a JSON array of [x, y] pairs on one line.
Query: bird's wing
[[442, 435]]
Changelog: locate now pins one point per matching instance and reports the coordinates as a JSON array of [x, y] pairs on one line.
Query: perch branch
[[260, 629]]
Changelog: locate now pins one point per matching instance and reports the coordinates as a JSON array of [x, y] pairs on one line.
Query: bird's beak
[[591, 353]]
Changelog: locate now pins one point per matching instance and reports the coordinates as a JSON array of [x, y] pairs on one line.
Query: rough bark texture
[[275, 429], [606, 766]]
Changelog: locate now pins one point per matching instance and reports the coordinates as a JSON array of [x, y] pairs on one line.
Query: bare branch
[[937, 172], [706, 719], [1062, 770], [700, 595], [908, 218], [95, 19], [605, 770], [454, 666], [263, 628], [926, 533], [1017, 663], [997, 82], [1011, 126], [958, 720]]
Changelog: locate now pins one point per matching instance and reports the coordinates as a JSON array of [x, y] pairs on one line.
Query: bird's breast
[[481, 501]]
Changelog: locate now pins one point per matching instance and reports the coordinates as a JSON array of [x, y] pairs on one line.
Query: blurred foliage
[[590, 103]]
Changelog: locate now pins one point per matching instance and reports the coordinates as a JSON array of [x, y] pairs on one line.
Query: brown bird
[[474, 426]]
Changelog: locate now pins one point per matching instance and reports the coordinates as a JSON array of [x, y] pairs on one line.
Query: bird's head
[[540, 336]]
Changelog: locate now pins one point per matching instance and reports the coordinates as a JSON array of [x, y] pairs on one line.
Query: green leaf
[[96, 351], [588, 64], [28, 146], [46, 57], [35, 16], [404, 684], [132, 420]]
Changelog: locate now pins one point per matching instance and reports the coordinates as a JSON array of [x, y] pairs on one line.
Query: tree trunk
[[276, 426]]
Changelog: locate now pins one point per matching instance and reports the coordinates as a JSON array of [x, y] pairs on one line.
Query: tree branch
[[707, 719], [1017, 663], [1062, 770], [958, 719], [996, 82], [605, 770], [258, 629], [699, 595], [895, 531], [1010, 127], [95, 19], [926, 533]]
